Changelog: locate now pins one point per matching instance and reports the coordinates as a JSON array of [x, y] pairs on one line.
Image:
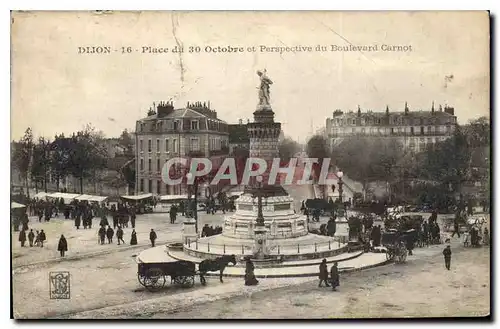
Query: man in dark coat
[[334, 276], [133, 238], [152, 237], [182, 208], [331, 227], [62, 246], [323, 273], [119, 235], [132, 216], [22, 237], [115, 220], [24, 220], [173, 214], [102, 234], [78, 219], [109, 234], [31, 237], [447, 257], [42, 238]]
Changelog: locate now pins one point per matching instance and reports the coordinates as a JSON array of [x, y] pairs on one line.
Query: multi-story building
[[413, 129], [193, 131]]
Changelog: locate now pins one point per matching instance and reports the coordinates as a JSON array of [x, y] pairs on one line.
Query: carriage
[[395, 244], [153, 276], [473, 231]]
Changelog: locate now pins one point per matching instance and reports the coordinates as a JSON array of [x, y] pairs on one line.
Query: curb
[[273, 276]]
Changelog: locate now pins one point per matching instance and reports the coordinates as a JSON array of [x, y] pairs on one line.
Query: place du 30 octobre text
[[218, 49]]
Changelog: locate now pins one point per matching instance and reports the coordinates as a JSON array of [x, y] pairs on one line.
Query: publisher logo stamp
[[59, 283]]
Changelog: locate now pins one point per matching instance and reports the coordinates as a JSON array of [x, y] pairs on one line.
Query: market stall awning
[[67, 196], [15, 205], [98, 198], [173, 197], [238, 193], [137, 197], [84, 197]]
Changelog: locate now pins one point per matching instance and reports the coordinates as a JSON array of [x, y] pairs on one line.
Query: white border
[[184, 5]]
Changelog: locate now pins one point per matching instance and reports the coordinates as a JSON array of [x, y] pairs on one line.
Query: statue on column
[[264, 89]]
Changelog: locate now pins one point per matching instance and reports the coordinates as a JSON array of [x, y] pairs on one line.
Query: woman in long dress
[[133, 238], [250, 279]]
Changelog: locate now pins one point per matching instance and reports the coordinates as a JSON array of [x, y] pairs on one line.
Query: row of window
[[392, 121], [177, 125], [411, 130], [173, 145]]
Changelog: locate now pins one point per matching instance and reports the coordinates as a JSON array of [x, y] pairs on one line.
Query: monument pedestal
[[189, 231], [260, 250]]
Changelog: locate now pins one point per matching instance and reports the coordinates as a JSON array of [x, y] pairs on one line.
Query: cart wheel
[[141, 278], [155, 279], [187, 281]]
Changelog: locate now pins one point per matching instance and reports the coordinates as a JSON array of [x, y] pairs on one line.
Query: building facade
[[190, 132], [413, 129], [238, 137]]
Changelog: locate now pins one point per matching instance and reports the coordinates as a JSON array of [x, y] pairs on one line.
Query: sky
[[55, 89]]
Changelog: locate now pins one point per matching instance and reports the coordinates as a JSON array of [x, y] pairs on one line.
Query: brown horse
[[217, 264]]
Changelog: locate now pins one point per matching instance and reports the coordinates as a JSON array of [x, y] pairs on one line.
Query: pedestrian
[[22, 237], [31, 236], [456, 228], [119, 235], [323, 273], [152, 237], [132, 216], [133, 238], [62, 246], [173, 214], [109, 234], [102, 234], [486, 237], [250, 279], [78, 219], [42, 238], [447, 257], [334, 276], [25, 221]]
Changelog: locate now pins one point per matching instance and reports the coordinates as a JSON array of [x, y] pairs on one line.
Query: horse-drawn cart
[[395, 246], [153, 276]]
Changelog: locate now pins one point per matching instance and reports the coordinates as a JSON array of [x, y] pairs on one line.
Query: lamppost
[[189, 176], [341, 183]]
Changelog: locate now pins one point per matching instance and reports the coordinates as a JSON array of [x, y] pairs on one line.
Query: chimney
[[432, 108], [359, 111], [240, 121], [164, 109], [449, 110], [407, 110], [387, 109]]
